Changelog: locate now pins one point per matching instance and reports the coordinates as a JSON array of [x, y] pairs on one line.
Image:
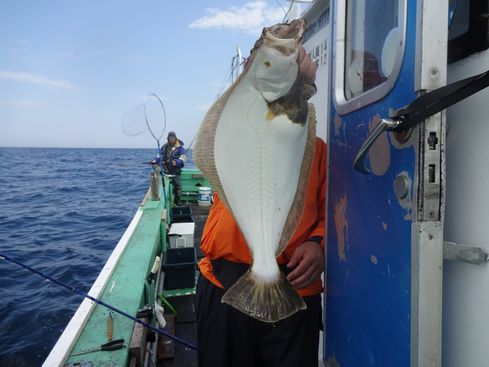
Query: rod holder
[[155, 188]]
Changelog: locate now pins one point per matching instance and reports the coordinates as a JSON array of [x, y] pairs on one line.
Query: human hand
[[308, 260], [173, 163], [307, 67]]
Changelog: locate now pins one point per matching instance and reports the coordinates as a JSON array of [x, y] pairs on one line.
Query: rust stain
[[341, 225], [338, 122], [379, 154]]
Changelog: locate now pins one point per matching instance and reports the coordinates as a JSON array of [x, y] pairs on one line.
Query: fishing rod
[[102, 303]]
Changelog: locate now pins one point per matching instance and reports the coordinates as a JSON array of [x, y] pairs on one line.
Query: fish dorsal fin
[[203, 153]]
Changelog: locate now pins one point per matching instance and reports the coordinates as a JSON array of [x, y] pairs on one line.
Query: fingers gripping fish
[[255, 146]]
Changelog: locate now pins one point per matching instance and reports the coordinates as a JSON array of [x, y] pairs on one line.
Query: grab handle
[[382, 126]]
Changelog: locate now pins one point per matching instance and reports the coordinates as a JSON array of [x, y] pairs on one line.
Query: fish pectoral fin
[[265, 301]]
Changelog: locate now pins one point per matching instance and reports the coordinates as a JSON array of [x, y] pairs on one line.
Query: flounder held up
[[255, 146]]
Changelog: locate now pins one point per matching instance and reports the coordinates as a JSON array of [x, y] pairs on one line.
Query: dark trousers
[[228, 338], [177, 187]]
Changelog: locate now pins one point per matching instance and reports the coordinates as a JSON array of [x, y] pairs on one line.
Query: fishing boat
[[407, 247], [153, 263]]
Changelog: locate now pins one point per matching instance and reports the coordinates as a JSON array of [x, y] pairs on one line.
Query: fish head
[[274, 66]]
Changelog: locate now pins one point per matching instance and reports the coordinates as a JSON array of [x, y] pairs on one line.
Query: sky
[[72, 71]]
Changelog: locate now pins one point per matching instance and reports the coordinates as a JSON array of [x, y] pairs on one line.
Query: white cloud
[[23, 103], [97, 53], [15, 46], [34, 79], [86, 54], [18, 50], [145, 97], [252, 16], [67, 55]]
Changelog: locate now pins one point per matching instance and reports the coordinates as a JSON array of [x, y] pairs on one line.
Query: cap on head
[[171, 133]]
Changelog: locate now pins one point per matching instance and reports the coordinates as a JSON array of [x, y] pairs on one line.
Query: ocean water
[[62, 211]]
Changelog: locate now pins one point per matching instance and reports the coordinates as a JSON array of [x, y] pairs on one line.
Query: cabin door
[[385, 234]]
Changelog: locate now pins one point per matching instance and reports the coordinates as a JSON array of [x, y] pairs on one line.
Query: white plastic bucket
[[205, 195]]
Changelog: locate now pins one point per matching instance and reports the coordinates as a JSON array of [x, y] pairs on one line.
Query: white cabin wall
[[466, 286], [317, 47]]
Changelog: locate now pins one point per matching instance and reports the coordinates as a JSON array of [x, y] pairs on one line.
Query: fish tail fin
[[262, 300]]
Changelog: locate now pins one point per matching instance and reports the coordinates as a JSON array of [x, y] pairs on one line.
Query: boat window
[[370, 44], [371, 54], [468, 22], [458, 18]]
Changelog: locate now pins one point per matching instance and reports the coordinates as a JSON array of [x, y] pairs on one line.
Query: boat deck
[[185, 323]]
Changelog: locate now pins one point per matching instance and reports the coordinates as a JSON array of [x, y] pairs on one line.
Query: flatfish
[[255, 146]]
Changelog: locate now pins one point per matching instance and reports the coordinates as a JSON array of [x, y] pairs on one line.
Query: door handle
[[382, 126], [420, 109]]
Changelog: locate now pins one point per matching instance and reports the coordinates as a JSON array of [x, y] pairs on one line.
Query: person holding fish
[[173, 155], [258, 300]]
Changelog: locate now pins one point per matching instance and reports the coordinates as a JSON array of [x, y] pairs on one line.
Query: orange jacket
[[222, 237]]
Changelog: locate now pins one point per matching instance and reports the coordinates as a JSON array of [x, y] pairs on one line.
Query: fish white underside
[[259, 162]]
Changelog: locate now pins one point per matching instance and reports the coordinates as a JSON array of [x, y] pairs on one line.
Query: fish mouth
[[284, 37]]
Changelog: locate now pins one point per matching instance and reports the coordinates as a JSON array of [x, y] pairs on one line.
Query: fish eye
[[267, 64]]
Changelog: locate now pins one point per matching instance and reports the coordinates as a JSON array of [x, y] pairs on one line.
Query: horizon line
[[63, 147]]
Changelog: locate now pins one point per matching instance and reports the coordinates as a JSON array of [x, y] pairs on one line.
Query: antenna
[[237, 65], [294, 9]]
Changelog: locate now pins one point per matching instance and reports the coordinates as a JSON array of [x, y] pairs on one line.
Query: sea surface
[[62, 211]]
